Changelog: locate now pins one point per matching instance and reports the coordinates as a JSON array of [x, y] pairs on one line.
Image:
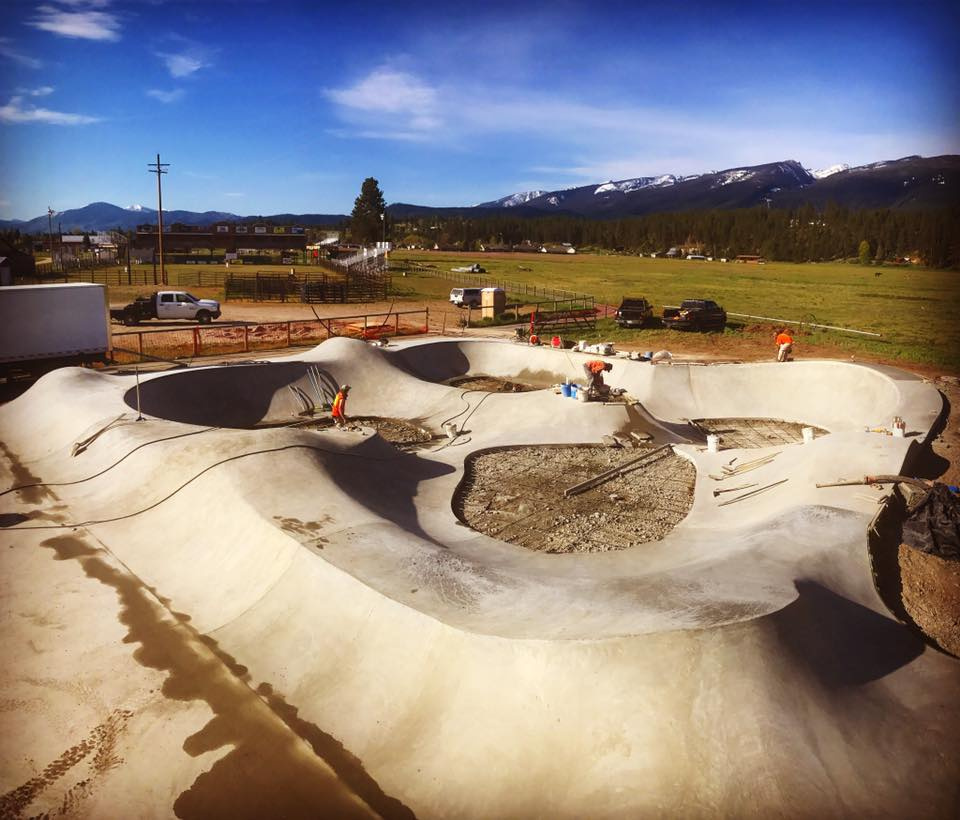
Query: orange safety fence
[[216, 340]]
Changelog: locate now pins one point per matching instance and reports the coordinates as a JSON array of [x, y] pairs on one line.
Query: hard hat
[[344, 387]]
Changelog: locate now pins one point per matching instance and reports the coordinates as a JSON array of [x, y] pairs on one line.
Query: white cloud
[[184, 64], [166, 96], [385, 99], [15, 112], [42, 91], [234, 194], [7, 50], [84, 24]]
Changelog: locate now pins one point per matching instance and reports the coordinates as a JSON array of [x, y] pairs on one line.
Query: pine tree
[[366, 225]]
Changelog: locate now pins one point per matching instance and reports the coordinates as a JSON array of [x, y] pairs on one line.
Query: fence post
[[288, 334], [140, 343], [246, 338], [196, 341], [426, 320], [398, 322]]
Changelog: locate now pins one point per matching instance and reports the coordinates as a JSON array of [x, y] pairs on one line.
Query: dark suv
[[633, 312]]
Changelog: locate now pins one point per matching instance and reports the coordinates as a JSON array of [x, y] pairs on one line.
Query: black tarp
[[934, 524]]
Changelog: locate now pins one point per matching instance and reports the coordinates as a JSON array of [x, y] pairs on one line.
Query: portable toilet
[[494, 302]]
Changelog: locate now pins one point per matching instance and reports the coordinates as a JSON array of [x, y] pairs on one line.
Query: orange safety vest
[[784, 339], [338, 404], [596, 366]]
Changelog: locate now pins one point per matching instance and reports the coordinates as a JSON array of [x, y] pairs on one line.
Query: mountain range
[[909, 182], [102, 216]]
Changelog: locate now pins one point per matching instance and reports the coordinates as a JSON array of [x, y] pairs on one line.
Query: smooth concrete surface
[[208, 613]]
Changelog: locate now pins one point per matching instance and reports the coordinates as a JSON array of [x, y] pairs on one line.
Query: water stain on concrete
[[33, 491], [266, 773]]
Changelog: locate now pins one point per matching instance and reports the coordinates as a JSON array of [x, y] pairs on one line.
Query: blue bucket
[[573, 391], [565, 390]]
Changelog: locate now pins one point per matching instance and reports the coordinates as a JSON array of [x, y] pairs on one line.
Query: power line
[[158, 169]]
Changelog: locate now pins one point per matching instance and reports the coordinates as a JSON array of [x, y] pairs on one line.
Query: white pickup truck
[[167, 304]]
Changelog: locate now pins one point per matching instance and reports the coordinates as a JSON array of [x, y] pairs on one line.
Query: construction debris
[[752, 493], [746, 467], [605, 476]]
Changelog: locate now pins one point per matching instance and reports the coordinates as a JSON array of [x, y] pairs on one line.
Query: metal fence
[[217, 340]]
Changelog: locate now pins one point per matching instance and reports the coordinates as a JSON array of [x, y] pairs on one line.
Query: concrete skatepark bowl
[[209, 614]]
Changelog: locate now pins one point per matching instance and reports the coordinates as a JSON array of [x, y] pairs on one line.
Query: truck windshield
[[191, 298]]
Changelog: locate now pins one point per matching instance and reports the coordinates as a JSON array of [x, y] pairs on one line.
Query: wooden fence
[[482, 280]]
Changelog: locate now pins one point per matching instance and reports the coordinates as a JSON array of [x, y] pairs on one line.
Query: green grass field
[[916, 310]]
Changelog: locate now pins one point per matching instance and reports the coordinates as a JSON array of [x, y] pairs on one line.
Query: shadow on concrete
[[222, 396], [841, 642], [926, 463]]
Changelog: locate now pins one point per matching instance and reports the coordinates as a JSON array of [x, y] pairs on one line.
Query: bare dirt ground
[[517, 495]]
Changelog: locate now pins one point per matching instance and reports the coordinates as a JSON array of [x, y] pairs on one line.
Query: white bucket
[[898, 432], [807, 434], [583, 394], [713, 443], [450, 428]]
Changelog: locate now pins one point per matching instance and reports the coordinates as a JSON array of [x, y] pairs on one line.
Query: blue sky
[[269, 107]]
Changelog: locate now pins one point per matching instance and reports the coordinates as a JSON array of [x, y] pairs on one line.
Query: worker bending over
[[595, 370], [784, 344], [340, 406]]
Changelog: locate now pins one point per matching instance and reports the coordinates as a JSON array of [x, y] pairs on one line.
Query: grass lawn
[[916, 310]]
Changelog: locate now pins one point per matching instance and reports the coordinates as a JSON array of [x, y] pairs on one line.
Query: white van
[[466, 297]]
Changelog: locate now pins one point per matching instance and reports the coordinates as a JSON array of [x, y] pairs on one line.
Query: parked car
[[466, 297], [633, 312], [695, 314], [167, 304]]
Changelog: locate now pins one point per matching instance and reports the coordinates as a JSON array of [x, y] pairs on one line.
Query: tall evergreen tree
[[369, 210]]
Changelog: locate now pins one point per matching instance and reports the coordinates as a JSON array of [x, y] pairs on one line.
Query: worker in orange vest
[[595, 370], [340, 405], [784, 344]]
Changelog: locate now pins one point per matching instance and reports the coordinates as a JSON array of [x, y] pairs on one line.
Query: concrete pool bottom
[[744, 665]]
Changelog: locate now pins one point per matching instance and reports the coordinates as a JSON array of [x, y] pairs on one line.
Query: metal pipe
[[808, 324], [752, 493]]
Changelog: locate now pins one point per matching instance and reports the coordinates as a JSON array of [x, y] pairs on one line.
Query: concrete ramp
[[210, 613]]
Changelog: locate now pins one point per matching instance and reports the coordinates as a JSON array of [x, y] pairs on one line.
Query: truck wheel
[[203, 317], [130, 319]]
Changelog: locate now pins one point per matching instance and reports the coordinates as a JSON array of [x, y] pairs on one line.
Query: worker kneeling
[[784, 344], [339, 411], [595, 369]]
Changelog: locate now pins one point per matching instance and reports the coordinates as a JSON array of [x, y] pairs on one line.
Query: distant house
[[566, 247], [496, 248], [14, 263], [750, 259], [674, 253]]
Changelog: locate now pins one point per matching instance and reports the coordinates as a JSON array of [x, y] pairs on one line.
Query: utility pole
[[50, 233], [158, 169]]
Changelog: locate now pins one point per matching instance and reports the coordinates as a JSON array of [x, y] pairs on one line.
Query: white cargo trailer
[[47, 326]]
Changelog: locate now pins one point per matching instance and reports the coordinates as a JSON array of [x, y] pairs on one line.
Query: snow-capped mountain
[[513, 200], [823, 173], [907, 182]]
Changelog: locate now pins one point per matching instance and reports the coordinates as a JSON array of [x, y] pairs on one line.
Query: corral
[[218, 610]]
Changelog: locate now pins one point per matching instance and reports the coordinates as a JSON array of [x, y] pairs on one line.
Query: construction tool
[[734, 489], [752, 493], [605, 476], [746, 467], [877, 479]]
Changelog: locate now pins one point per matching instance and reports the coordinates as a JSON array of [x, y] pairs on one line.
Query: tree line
[[802, 234]]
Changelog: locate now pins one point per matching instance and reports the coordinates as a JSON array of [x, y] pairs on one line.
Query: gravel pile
[[516, 495]]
